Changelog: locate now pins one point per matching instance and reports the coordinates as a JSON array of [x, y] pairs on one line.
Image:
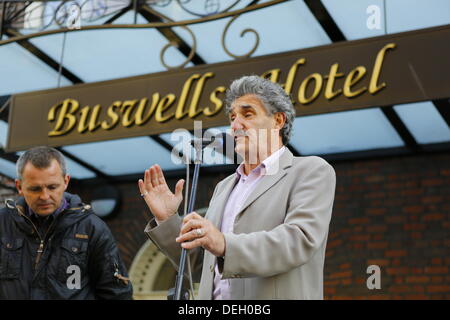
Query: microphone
[[222, 139]]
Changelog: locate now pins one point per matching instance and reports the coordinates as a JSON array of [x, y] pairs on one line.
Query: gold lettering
[[291, 75], [352, 78], [127, 110], [304, 85], [217, 102], [329, 93], [112, 115], [163, 105], [193, 112], [373, 87], [68, 108], [271, 75], [140, 119], [180, 113], [89, 122]]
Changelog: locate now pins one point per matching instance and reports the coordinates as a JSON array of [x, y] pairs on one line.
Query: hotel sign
[[400, 68]]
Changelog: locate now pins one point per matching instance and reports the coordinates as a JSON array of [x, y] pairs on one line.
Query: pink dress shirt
[[240, 193]]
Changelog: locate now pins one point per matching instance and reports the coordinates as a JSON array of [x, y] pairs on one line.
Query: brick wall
[[393, 213]]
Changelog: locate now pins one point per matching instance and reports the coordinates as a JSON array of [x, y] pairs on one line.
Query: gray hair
[[271, 94], [40, 157]]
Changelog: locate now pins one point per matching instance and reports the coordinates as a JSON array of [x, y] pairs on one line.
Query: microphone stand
[[179, 278]]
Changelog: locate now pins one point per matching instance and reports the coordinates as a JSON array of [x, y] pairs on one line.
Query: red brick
[[334, 243], [378, 262], [346, 281], [395, 219], [377, 228], [415, 270], [363, 220], [438, 288], [375, 178], [436, 261], [413, 226], [330, 283], [329, 290], [398, 280], [416, 235], [437, 279], [433, 217], [395, 253], [436, 270], [416, 209], [377, 245], [345, 266], [432, 199], [399, 288], [411, 192], [375, 211], [341, 274], [374, 195], [397, 271], [432, 182], [419, 296], [360, 237], [417, 279]]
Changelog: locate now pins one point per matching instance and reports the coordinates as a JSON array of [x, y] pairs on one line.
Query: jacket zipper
[[40, 249]]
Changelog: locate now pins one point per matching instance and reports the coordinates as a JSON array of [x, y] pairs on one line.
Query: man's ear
[[66, 181], [19, 186], [280, 120]]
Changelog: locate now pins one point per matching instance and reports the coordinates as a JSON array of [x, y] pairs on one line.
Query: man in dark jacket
[[52, 245]]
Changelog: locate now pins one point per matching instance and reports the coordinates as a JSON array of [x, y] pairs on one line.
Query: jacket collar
[[285, 161]]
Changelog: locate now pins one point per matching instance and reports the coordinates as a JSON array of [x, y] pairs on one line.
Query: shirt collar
[[269, 166]]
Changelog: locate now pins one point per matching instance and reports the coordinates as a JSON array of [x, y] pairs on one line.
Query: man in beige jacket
[[265, 232]]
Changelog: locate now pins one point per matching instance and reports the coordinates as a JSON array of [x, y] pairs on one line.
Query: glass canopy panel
[[21, 71], [424, 122], [117, 53], [344, 132], [366, 18], [124, 156], [297, 24], [405, 15], [7, 168]]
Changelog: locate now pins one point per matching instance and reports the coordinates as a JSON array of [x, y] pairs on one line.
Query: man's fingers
[[147, 181], [192, 215], [160, 175], [153, 177], [179, 188], [192, 244], [191, 224]]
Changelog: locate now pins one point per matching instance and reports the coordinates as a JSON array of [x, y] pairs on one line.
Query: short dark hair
[[40, 157]]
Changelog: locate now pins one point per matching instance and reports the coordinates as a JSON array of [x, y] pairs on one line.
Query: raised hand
[[157, 195]]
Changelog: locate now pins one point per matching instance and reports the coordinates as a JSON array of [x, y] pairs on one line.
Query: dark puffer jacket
[[76, 259]]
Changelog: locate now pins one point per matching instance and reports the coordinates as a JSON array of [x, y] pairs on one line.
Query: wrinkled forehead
[[247, 102]]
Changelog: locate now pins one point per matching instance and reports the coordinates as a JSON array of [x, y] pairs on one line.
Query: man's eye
[[52, 187]]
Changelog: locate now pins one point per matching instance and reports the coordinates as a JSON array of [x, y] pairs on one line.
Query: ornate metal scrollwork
[[248, 54], [175, 44]]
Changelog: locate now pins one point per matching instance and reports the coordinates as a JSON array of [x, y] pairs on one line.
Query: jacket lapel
[[269, 180], [216, 212]]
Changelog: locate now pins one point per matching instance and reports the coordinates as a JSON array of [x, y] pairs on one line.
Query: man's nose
[[44, 194], [236, 124]]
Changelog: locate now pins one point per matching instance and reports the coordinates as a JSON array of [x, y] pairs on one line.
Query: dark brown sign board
[[387, 70]]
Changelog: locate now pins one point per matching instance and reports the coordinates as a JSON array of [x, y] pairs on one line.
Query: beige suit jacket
[[277, 249]]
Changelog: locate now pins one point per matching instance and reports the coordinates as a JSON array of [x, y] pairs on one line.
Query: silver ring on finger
[[144, 194], [199, 232]]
